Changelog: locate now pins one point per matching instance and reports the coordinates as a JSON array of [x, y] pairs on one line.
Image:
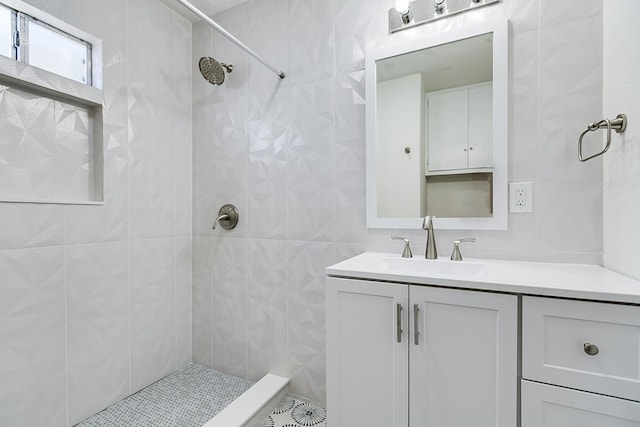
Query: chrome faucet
[[431, 251]]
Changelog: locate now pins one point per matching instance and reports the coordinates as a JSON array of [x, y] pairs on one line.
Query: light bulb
[[402, 6]]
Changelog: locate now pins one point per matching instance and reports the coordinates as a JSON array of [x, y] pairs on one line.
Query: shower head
[[212, 70]]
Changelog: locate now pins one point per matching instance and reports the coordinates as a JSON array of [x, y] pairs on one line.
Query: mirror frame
[[499, 220]]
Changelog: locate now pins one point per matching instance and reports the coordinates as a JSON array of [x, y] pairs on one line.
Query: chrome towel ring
[[619, 124]]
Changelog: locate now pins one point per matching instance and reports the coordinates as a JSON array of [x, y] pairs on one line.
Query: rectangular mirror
[[437, 130]]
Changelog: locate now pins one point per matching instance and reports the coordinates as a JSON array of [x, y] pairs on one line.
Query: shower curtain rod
[[229, 36]]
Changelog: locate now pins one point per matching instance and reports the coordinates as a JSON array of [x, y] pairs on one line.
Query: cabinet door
[[367, 358], [549, 406], [481, 127], [463, 361], [448, 130]]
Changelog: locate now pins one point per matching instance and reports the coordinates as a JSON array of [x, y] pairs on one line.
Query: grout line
[[66, 334], [175, 216], [129, 320], [537, 158]]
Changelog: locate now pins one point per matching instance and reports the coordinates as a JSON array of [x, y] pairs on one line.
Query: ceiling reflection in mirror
[[453, 64]]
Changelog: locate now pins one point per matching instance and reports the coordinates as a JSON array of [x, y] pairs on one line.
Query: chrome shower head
[[212, 70]]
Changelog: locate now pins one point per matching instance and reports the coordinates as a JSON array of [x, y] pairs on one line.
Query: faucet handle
[[456, 255], [406, 253]]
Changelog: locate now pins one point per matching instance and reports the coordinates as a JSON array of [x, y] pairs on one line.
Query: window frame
[[20, 36], [24, 20], [23, 12]]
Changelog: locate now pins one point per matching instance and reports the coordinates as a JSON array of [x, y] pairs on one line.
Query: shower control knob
[[227, 217]]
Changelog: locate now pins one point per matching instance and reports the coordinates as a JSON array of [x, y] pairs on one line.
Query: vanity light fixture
[[402, 7], [409, 13]]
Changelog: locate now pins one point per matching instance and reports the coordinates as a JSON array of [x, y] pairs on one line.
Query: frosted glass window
[[6, 20], [58, 53]]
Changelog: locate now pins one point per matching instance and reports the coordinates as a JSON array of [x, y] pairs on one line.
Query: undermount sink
[[429, 267]]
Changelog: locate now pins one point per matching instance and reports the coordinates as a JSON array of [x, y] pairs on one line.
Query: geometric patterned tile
[[570, 96], [267, 301], [295, 411], [44, 149], [153, 326], [230, 316], [350, 165], [306, 324], [32, 337], [97, 327], [310, 176], [359, 25], [311, 43], [202, 312]]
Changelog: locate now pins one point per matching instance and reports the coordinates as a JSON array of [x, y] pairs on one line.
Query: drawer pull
[[591, 349]]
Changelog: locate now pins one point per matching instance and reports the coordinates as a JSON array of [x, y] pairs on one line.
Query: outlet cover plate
[[520, 197]]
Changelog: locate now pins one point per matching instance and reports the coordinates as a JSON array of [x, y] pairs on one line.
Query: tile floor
[[186, 398], [295, 411], [192, 396]]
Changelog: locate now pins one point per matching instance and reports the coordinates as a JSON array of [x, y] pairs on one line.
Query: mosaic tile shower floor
[[192, 396], [186, 398]]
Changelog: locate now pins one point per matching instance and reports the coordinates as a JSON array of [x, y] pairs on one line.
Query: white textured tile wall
[[45, 148], [95, 301], [291, 155], [621, 165]]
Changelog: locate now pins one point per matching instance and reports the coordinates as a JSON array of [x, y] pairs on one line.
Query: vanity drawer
[[550, 406], [555, 345]]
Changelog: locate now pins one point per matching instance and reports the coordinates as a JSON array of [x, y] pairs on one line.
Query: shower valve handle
[[227, 217]]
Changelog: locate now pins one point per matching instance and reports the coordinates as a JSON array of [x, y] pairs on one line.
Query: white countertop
[[579, 281]]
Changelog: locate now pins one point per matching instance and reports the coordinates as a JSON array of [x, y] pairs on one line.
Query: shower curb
[[253, 405]]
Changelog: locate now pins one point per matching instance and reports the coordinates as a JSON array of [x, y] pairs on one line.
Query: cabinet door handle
[[416, 322], [399, 322], [591, 349]]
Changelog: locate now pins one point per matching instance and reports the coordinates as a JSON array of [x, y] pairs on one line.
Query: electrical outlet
[[520, 197]]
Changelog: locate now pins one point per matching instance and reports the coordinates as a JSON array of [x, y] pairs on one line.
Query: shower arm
[[229, 36]]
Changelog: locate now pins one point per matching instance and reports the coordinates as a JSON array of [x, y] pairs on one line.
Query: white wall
[[622, 162], [95, 302], [400, 124], [290, 154]]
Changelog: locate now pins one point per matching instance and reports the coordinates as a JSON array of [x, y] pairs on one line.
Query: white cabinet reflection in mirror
[[460, 130]]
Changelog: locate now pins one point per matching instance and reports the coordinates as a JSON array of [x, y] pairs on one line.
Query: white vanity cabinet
[[484, 343], [588, 354], [400, 355]]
